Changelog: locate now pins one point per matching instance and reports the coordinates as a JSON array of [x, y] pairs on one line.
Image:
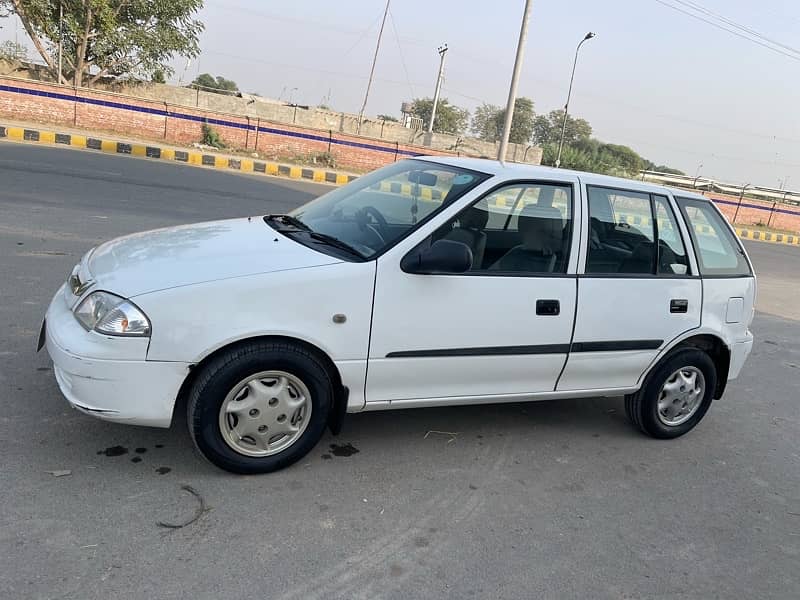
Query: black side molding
[[616, 346], [483, 351]]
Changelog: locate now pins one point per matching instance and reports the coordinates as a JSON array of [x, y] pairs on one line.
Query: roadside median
[[195, 157]]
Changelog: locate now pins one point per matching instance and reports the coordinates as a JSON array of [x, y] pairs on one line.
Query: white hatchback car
[[430, 282]]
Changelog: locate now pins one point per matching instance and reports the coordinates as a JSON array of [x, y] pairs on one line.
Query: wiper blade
[[289, 220], [335, 242]]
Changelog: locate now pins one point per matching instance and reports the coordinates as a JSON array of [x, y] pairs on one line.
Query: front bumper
[[108, 377], [739, 353]]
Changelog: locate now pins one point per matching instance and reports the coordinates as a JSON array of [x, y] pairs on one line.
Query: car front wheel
[[259, 407], [675, 396]]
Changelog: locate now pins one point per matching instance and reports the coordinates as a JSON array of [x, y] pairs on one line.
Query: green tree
[[484, 122], [490, 119], [449, 118], [110, 38], [521, 123], [13, 51], [158, 76], [664, 169], [620, 160], [207, 82], [578, 159], [547, 128], [388, 118]]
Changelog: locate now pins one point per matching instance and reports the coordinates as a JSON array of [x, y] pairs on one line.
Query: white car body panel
[[191, 322], [626, 310], [209, 285], [191, 254]]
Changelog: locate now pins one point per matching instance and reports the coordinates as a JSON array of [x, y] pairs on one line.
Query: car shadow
[[586, 417]]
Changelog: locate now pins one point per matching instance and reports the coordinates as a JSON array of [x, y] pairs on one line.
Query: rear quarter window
[[718, 250]]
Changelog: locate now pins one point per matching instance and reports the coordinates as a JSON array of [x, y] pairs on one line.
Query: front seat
[[542, 232], [471, 224]]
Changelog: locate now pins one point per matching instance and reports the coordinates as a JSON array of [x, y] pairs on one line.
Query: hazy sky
[[675, 89]]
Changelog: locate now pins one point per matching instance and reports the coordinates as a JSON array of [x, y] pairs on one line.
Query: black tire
[[642, 407], [220, 376]]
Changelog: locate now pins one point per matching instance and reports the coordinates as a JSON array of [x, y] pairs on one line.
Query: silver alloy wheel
[[265, 413], [681, 396]]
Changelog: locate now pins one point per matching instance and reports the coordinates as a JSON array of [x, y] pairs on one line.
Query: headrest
[[473, 218], [541, 228]]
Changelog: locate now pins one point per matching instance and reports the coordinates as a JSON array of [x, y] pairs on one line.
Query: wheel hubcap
[[681, 396], [265, 413]]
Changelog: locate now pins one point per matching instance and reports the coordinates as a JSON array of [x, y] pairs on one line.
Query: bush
[[211, 137], [325, 158]]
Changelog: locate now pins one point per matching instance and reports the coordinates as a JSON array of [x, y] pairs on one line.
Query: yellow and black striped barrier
[[190, 157]]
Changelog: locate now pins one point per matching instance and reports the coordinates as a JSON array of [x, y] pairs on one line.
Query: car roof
[[510, 171]]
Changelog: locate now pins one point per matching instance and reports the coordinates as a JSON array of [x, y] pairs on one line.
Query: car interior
[[529, 237], [618, 247]]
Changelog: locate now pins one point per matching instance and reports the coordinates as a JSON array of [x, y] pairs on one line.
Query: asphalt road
[[544, 500]]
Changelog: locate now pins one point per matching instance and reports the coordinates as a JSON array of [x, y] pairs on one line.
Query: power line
[[273, 17], [402, 58], [723, 18], [739, 34], [361, 37]]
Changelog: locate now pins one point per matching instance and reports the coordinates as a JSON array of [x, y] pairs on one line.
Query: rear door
[[638, 287]]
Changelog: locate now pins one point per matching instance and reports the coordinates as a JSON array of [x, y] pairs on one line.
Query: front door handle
[[678, 305], [550, 308]]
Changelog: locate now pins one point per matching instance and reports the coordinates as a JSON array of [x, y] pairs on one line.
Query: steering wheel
[[363, 216]]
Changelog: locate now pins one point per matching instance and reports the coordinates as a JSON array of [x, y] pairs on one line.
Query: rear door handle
[[678, 305], [550, 308]]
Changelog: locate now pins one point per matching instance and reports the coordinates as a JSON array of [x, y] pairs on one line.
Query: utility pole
[[588, 36], [372, 70], [60, 38], [512, 90], [442, 50]]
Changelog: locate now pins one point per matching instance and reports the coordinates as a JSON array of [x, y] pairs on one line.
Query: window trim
[[531, 274], [654, 274], [686, 247], [739, 247]]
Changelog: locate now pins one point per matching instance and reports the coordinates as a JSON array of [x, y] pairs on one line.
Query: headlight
[[112, 315]]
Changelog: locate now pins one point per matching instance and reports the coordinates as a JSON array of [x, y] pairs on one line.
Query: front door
[[496, 332], [639, 291]]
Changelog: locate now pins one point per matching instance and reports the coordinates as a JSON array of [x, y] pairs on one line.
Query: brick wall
[[758, 212], [99, 110]]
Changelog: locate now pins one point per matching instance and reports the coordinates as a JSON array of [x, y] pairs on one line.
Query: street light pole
[[739, 204], [697, 175], [587, 37], [512, 90], [442, 50], [372, 70]]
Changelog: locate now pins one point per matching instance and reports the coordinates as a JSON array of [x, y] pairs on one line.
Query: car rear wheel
[[259, 407], [675, 396]]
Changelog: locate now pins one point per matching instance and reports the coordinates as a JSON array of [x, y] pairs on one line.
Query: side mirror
[[441, 257]]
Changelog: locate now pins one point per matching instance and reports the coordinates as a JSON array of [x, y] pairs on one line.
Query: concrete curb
[[769, 236], [190, 157]]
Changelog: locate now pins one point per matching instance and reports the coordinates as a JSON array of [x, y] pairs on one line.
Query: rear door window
[[621, 232], [672, 258], [718, 250]]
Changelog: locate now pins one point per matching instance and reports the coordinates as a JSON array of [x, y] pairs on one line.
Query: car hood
[[188, 254]]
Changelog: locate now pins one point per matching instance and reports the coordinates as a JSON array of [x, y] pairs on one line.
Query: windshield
[[374, 211]]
